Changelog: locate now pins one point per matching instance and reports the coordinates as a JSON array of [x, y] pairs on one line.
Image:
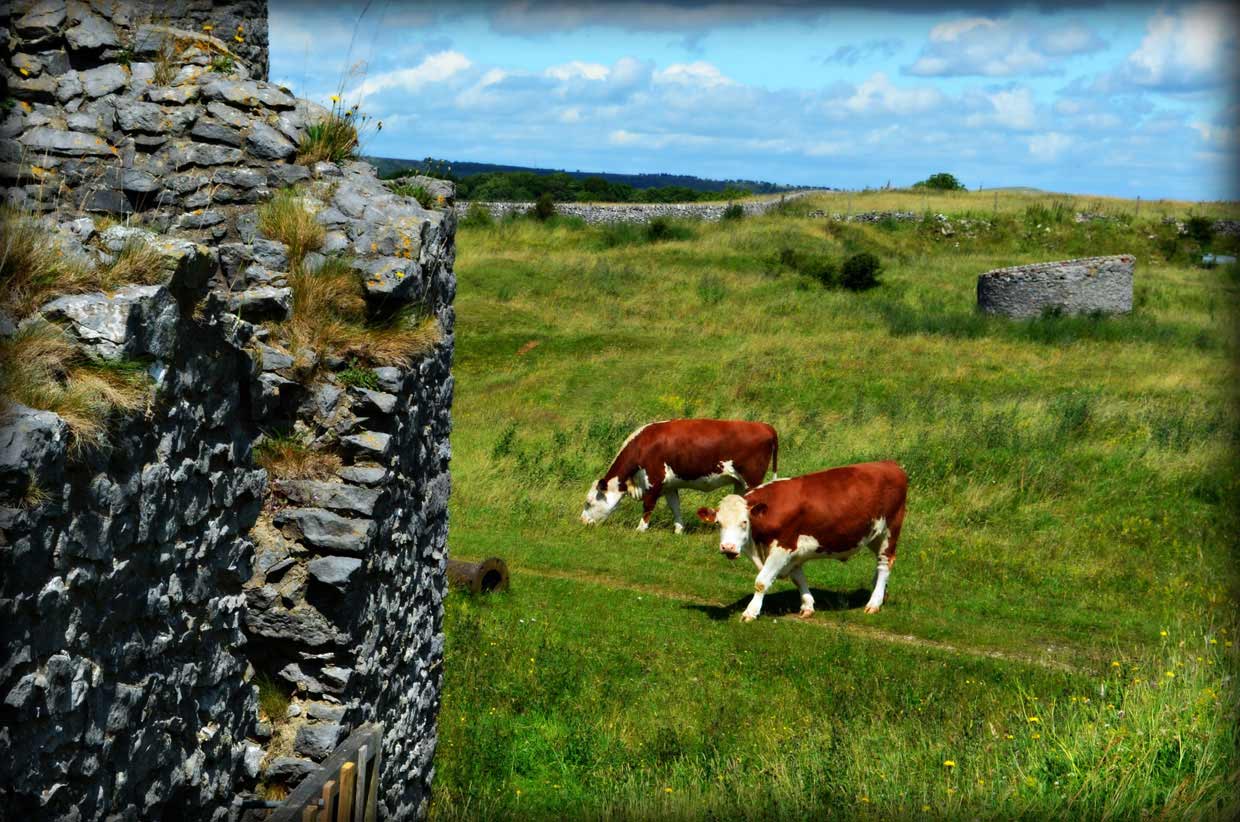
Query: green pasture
[[1057, 638]]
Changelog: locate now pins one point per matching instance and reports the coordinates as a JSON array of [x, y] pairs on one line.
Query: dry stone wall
[[636, 212], [144, 586], [1085, 286]]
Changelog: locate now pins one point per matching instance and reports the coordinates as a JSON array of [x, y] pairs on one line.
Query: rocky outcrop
[[143, 585], [1092, 285]]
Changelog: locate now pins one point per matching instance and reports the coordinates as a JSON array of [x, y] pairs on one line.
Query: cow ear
[[757, 509], [706, 514], [601, 485]]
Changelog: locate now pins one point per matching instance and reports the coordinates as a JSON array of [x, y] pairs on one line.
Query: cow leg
[[649, 500], [673, 501], [807, 599], [776, 559], [886, 556]]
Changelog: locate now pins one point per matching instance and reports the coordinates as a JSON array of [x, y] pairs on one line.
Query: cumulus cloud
[[981, 46], [1188, 50], [698, 75], [1047, 147], [436, 68], [877, 94], [1011, 108]]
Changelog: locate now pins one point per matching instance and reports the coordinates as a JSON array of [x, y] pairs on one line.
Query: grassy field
[[1058, 634]]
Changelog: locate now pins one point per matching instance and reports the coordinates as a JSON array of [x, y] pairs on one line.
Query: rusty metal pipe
[[491, 574]]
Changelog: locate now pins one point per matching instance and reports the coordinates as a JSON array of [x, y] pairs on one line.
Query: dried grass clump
[[333, 139], [285, 218], [41, 368], [289, 457], [35, 269], [329, 315]]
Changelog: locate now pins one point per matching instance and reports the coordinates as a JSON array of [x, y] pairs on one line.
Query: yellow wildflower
[[1035, 719], [1170, 674], [950, 763], [335, 98], [667, 790], [208, 27], [1162, 633], [1114, 663], [1035, 735]]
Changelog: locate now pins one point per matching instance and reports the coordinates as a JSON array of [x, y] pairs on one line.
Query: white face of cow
[[600, 504], [733, 518]]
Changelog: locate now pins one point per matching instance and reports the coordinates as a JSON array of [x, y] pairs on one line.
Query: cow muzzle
[[729, 551]]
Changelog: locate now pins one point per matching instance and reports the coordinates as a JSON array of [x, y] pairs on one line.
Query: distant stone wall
[[144, 585], [1085, 286], [638, 212]]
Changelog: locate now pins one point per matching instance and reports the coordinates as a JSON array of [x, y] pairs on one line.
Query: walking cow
[[828, 515], [661, 458]]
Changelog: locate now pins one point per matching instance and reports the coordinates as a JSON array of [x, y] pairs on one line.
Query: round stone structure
[[1086, 286]]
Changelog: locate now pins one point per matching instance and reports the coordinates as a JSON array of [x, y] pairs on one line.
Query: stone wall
[[144, 585], [638, 212], [1085, 286]]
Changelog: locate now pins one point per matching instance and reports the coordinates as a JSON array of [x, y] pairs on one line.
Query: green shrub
[[661, 228], [359, 376], [477, 216], [734, 211], [941, 182], [544, 207], [1200, 229], [860, 272], [419, 193]]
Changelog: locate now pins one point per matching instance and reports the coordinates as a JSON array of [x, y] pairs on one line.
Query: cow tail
[[775, 455]]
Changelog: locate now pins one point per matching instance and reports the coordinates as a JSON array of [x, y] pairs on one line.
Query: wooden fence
[[344, 789]]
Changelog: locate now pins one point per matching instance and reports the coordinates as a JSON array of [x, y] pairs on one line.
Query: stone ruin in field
[[148, 586], [1093, 285]]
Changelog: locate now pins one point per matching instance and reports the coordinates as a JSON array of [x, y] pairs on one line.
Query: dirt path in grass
[[853, 630]]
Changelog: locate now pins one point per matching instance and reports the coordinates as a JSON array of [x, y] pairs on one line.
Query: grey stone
[[378, 401], [200, 219], [138, 116], [68, 86], [188, 265], [213, 132], [372, 443], [362, 474], [334, 495], [138, 181], [91, 33], [202, 154], [31, 444], [334, 571], [247, 94], [290, 769], [287, 175], [318, 740], [176, 95], [134, 321], [270, 254], [273, 359], [266, 143], [242, 178], [323, 529], [262, 303], [103, 80], [390, 378], [252, 759], [391, 279], [323, 712], [301, 624], [70, 143], [41, 19]]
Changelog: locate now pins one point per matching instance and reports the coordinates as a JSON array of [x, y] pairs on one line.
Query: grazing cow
[[661, 458], [828, 515]]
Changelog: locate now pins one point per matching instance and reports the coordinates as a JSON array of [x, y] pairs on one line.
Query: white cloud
[[699, 74], [1047, 147], [877, 95], [999, 48], [435, 68], [1192, 48], [1010, 108], [578, 69]]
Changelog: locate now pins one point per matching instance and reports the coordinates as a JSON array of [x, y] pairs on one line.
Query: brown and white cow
[[827, 515], [661, 458]]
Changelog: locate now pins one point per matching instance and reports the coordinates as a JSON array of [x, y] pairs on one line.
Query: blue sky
[[1124, 99]]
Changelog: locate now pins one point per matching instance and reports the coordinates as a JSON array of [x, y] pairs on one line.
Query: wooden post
[[359, 802], [348, 779], [329, 789], [372, 801], [309, 814]]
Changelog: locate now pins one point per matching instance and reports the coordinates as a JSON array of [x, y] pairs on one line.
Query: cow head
[[733, 515], [601, 500]]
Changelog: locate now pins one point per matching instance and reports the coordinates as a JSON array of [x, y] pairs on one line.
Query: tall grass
[[42, 368], [286, 218]]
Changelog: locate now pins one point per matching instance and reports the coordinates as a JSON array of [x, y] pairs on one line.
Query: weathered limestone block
[[187, 265], [334, 571], [31, 442], [317, 740], [337, 496], [325, 530], [135, 321], [1085, 286]]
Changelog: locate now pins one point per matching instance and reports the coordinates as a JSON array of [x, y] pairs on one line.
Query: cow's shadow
[[783, 603]]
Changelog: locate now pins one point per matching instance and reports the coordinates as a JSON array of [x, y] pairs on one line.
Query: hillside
[[388, 166]]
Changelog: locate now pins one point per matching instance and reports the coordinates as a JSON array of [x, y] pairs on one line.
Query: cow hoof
[[806, 614], [747, 618], [680, 529], [872, 609]]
